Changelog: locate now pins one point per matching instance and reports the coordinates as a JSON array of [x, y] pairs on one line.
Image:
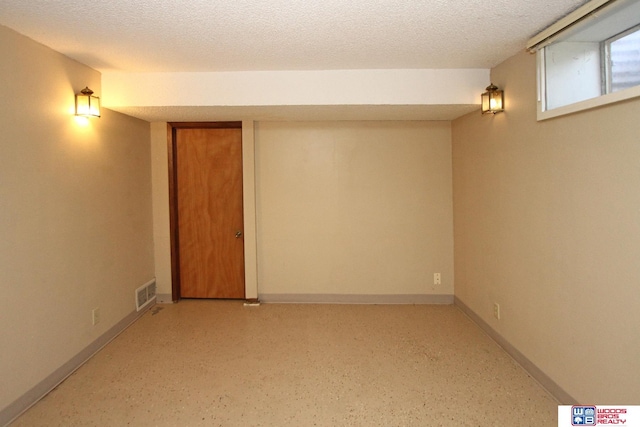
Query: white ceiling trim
[[281, 88]]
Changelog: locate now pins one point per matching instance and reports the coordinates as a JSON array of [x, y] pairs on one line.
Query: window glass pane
[[572, 73], [625, 62]]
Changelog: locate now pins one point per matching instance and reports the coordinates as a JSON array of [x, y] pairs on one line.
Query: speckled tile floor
[[218, 363]]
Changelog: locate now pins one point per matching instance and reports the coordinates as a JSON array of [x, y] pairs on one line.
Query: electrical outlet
[[496, 310], [95, 316], [437, 279]]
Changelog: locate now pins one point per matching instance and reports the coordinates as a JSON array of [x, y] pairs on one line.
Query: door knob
[[238, 234]]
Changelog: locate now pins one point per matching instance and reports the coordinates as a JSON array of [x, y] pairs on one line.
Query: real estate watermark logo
[[583, 415], [597, 415]]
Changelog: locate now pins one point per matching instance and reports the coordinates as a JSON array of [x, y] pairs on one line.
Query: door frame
[[173, 194]]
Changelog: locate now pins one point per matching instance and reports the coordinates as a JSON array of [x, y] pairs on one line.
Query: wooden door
[[210, 223]]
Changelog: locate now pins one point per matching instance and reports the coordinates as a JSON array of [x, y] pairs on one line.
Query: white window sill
[[588, 104]]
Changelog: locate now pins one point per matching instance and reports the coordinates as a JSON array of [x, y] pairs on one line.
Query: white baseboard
[[31, 397], [543, 379], [355, 299]]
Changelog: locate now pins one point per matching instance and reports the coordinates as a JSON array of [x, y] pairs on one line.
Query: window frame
[[585, 16]]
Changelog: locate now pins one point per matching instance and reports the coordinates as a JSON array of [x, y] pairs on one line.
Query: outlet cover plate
[[95, 316]]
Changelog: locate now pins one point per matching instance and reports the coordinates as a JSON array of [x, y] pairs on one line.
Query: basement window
[[622, 55], [589, 58]]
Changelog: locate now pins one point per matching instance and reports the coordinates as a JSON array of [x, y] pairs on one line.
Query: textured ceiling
[[226, 35]]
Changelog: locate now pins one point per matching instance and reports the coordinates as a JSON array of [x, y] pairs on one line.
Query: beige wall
[[75, 216], [360, 208], [161, 221], [547, 224], [357, 208]]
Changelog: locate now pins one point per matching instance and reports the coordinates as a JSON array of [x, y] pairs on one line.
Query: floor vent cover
[[145, 294]]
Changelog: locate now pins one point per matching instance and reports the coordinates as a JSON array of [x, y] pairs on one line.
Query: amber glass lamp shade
[[87, 105], [492, 100]]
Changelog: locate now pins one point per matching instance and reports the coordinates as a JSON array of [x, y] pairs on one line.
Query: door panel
[[209, 196]]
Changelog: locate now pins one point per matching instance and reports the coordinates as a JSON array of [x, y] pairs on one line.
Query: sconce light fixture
[[87, 105], [492, 100]]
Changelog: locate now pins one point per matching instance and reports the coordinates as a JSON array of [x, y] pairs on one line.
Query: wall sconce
[[492, 100], [87, 105]]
